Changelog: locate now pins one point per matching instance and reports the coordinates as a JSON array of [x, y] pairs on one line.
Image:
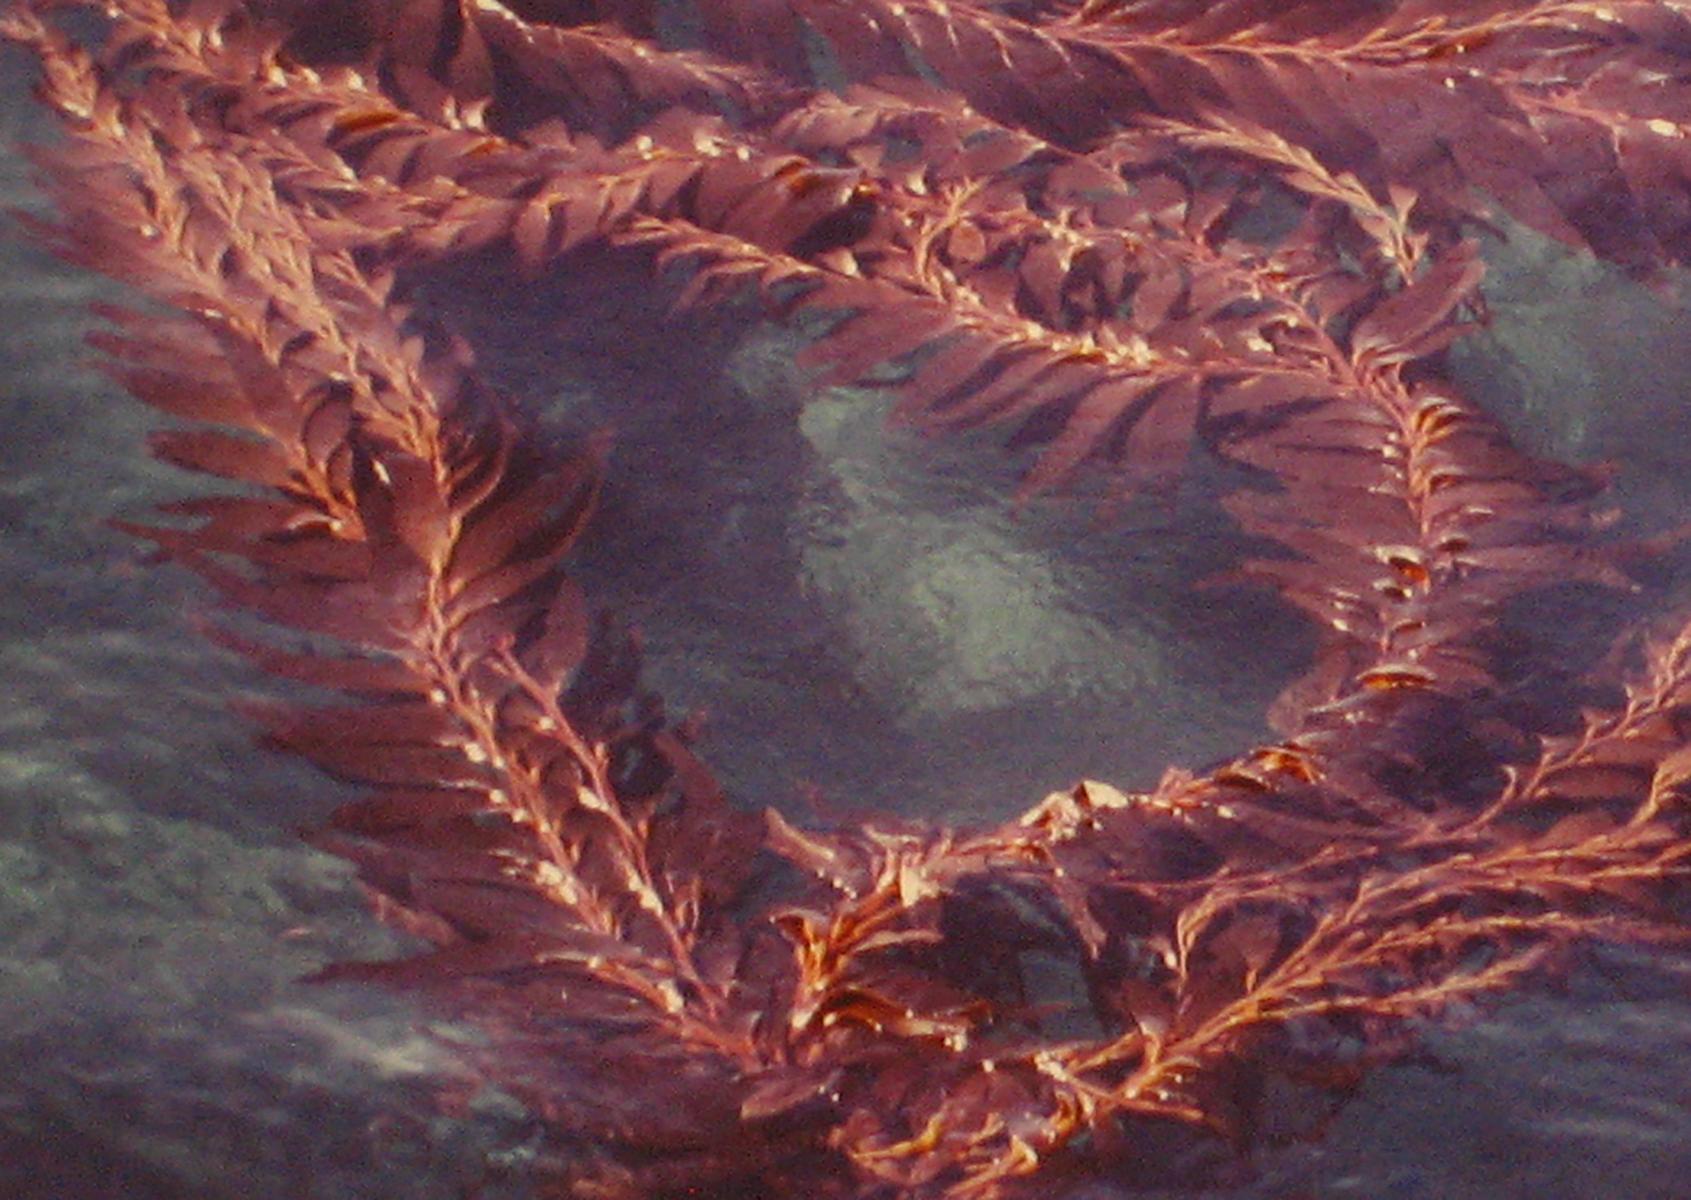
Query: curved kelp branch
[[1213, 985], [536, 818], [1413, 519], [1012, 294], [1220, 970], [1485, 97]]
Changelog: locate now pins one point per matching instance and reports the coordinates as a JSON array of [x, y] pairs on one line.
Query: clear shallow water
[[859, 613]]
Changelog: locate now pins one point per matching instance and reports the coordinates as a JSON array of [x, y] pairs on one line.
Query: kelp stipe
[[1122, 228]]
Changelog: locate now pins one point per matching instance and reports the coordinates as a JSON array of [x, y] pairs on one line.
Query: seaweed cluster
[[1126, 231]]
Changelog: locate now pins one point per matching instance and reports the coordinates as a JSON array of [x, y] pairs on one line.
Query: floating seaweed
[[1126, 232]]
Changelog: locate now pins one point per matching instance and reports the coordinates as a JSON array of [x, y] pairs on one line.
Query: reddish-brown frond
[[1128, 233]]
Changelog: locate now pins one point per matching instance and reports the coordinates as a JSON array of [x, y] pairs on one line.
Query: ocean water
[[869, 627]]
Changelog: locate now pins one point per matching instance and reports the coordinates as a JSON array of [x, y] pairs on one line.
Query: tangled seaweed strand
[[1123, 229]]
